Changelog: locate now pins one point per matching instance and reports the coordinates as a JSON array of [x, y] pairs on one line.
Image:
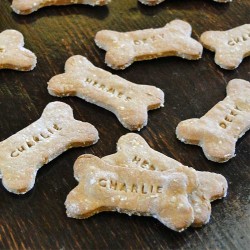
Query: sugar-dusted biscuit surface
[[22, 154], [230, 46], [151, 2], [130, 102], [219, 129], [105, 187], [202, 187], [13, 55], [24, 7], [123, 48]]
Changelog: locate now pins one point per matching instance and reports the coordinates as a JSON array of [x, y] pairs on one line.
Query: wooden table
[[37, 220]]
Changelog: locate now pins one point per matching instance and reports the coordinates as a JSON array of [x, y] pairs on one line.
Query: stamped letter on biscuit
[[155, 2], [25, 152], [125, 48], [219, 129], [24, 7], [105, 187], [130, 102], [202, 187], [12, 53], [230, 46]]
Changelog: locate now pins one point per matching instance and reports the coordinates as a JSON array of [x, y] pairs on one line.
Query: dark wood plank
[[37, 220]]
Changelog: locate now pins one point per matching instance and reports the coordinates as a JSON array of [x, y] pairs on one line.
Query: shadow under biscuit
[[95, 12], [182, 5]]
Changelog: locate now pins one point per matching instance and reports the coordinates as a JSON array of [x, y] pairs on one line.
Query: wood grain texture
[[37, 220]]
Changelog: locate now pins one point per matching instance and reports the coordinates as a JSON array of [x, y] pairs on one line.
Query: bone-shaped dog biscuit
[[230, 46], [151, 2], [105, 187], [24, 7], [125, 48], [202, 187], [223, 1], [22, 154], [155, 2], [128, 101], [12, 53], [219, 129]]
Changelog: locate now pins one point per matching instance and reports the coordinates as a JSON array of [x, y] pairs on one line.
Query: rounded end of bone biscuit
[[228, 62], [188, 131], [79, 205], [217, 151], [134, 117], [133, 124], [24, 7], [77, 62], [73, 203], [19, 182], [82, 162], [207, 40], [85, 134], [217, 147], [154, 97], [14, 35], [57, 109], [180, 26], [121, 57], [202, 208], [103, 37], [213, 186], [26, 61], [238, 87], [177, 220], [16, 57]]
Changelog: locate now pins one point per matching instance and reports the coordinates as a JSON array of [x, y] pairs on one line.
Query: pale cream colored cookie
[[12, 53], [24, 7], [151, 2], [22, 154], [219, 129], [203, 187], [171, 40], [230, 46], [105, 187], [130, 102]]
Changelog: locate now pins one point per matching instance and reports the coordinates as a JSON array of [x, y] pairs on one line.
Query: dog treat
[[28, 6], [105, 187], [230, 46], [25, 152], [151, 2], [12, 53], [128, 101], [171, 40], [155, 2], [223, 1], [203, 187], [219, 129]]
